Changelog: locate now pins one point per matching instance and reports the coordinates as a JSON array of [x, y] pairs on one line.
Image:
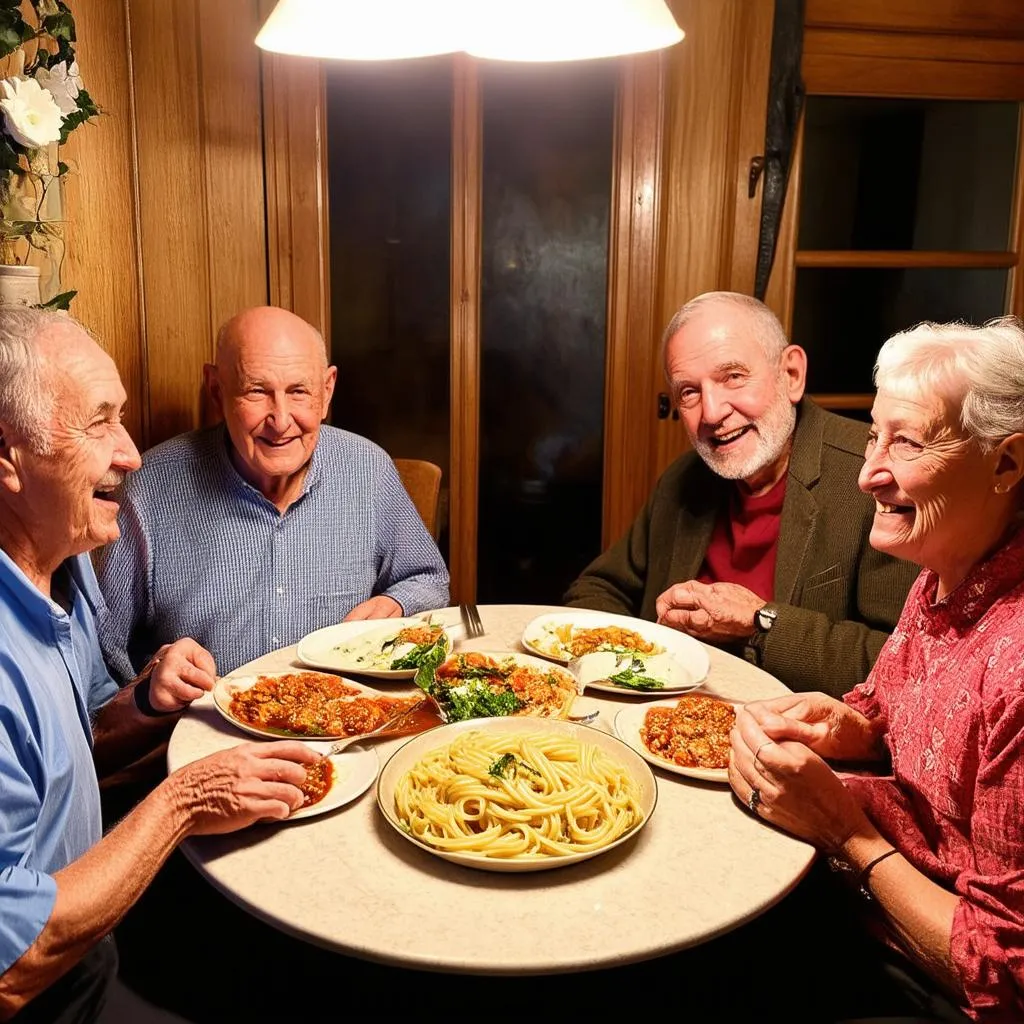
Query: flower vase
[[19, 285]]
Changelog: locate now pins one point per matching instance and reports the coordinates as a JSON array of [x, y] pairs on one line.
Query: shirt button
[[280, 590], [274, 640]]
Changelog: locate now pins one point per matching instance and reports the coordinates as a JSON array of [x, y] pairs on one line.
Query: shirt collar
[[39, 608], [988, 581], [240, 486]]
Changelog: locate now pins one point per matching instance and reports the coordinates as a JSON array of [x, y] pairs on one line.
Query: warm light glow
[[523, 30], [543, 30], [364, 29]]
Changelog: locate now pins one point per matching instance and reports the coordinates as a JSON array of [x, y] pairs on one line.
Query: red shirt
[[949, 686], [744, 544]]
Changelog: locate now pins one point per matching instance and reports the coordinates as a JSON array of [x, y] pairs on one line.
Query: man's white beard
[[771, 433]]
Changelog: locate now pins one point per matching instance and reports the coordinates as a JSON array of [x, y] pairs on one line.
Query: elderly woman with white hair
[[935, 838]]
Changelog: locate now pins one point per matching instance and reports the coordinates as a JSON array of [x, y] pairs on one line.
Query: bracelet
[[863, 877], [140, 694]]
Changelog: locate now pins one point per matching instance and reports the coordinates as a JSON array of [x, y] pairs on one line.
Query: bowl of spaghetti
[[514, 794]]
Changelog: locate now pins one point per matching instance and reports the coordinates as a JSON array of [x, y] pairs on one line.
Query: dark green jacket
[[838, 598]]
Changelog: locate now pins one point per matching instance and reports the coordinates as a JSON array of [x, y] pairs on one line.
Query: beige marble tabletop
[[346, 881]]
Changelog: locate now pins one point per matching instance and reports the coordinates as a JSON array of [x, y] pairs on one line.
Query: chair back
[[422, 480]]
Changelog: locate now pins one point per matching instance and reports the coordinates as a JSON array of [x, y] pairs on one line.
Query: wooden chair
[[422, 480]]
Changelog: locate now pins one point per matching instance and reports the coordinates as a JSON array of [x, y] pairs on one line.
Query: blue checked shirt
[[52, 681], [203, 554]]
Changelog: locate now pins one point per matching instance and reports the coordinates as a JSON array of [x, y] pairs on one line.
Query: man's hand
[[179, 673], [380, 607], [716, 612], [234, 788]]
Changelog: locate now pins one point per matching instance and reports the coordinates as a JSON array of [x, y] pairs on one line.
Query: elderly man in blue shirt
[[248, 535], [63, 885]]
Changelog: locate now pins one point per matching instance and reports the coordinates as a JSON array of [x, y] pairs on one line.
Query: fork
[[471, 620], [389, 726]]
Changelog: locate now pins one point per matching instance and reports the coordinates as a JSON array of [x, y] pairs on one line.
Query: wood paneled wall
[[717, 94], [167, 223]]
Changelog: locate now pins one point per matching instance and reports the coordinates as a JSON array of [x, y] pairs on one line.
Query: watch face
[[765, 619]]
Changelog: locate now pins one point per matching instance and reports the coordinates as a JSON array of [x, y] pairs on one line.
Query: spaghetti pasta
[[525, 795]]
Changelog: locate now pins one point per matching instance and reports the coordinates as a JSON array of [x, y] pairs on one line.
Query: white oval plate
[[627, 725], [407, 755], [688, 652], [228, 685], [354, 772], [319, 649]]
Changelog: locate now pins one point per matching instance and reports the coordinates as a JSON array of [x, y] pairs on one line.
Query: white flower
[[63, 83], [31, 115]]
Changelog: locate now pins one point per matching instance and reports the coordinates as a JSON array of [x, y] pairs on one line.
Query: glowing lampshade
[[364, 29], [524, 30], [550, 30]]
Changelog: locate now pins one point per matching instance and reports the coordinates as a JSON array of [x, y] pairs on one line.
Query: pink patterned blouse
[[949, 688]]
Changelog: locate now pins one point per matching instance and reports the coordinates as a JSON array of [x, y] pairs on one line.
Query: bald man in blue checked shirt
[[248, 535]]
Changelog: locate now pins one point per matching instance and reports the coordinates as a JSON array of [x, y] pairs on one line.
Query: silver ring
[[755, 800], [757, 754]]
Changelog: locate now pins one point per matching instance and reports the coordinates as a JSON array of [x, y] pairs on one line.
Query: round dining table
[[701, 866]]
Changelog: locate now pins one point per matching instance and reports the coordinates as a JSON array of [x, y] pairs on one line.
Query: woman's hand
[[797, 791], [827, 726]]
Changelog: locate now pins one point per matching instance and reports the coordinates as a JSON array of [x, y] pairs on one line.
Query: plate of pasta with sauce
[[688, 736], [300, 704], [643, 656], [516, 794]]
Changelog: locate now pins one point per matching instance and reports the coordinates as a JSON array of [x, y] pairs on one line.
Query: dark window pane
[[907, 174], [842, 317], [546, 197], [389, 152]]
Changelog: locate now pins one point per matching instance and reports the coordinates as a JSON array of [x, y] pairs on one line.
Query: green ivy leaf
[[62, 301], [62, 168], [14, 31], [70, 123], [86, 104], [60, 26], [8, 155]]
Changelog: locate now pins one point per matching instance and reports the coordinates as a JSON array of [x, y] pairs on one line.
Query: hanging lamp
[[561, 30], [515, 30], [363, 29]]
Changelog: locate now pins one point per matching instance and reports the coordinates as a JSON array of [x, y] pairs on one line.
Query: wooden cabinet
[[905, 201]]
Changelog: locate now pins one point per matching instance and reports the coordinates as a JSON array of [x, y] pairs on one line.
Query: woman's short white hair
[[26, 397], [979, 368]]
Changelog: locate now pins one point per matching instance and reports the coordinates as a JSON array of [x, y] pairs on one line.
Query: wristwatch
[[764, 619]]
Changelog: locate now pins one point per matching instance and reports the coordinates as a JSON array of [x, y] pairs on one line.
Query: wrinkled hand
[[716, 612], [234, 788], [379, 607], [827, 726], [179, 673], [799, 792]]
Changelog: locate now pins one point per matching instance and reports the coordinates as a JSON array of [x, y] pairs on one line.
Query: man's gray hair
[[982, 368], [26, 397], [767, 327]]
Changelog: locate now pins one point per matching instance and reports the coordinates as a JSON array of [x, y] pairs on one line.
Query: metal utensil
[[390, 726], [471, 620]]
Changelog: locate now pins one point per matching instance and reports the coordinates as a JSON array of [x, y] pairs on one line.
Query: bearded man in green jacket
[[757, 540]]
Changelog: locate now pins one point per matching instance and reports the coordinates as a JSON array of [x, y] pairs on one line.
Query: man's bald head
[[273, 386], [261, 326]]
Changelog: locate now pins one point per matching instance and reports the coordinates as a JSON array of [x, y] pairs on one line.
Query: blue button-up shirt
[[52, 682], [204, 554]]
